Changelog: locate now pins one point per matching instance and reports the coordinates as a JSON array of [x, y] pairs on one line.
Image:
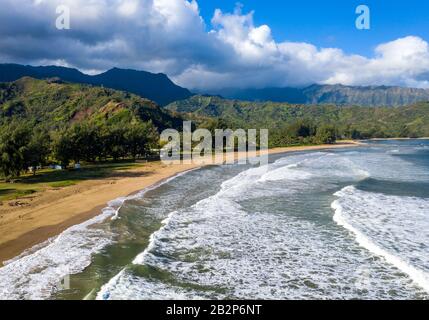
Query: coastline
[[24, 228], [398, 139]]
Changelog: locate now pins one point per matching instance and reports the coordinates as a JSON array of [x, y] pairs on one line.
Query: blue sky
[[265, 44], [330, 23]]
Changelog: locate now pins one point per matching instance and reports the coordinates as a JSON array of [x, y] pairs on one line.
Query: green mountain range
[[351, 121], [156, 87], [56, 104], [160, 89]]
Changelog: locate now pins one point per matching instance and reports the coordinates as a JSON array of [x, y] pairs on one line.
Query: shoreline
[[28, 227], [398, 139]]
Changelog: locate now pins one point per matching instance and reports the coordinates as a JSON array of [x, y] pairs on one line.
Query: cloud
[[401, 62], [170, 36]]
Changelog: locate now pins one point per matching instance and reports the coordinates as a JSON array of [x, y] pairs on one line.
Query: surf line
[[140, 194], [417, 276], [104, 292]]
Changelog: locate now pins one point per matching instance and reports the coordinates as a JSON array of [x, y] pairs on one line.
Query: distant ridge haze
[[368, 96]]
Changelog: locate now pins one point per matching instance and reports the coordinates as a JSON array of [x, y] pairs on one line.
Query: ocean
[[334, 224]]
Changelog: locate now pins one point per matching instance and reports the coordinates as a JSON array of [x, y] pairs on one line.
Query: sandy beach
[[54, 211]]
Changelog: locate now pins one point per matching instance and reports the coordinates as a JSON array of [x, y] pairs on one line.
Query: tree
[[301, 129], [212, 124], [140, 138], [326, 134], [14, 140], [115, 142], [38, 149], [79, 142], [87, 140], [63, 148]]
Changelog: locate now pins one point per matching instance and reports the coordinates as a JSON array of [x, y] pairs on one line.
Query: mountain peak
[[156, 87]]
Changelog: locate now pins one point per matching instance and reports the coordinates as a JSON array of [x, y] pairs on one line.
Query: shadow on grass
[[5, 192], [11, 194], [64, 178]]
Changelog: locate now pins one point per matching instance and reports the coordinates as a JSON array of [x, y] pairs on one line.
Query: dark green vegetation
[[374, 96], [51, 122], [298, 124], [56, 104], [156, 87], [44, 122]]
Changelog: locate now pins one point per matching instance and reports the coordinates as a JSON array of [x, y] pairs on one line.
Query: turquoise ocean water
[[333, 224]]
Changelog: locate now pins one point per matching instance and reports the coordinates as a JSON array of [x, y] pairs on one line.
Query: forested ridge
[[282, 119], [53, 122]]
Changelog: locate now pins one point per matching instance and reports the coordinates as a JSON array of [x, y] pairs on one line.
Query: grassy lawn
[[47, 178]]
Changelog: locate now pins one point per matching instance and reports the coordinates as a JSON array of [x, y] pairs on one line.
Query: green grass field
[[29, 184]]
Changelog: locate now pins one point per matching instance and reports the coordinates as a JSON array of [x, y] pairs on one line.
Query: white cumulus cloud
[[170, 36]]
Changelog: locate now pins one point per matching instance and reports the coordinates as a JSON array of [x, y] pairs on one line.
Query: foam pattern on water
[[388, 165], [219, 249], [267, 232], [38, 274], [396, 228], [39, 271]]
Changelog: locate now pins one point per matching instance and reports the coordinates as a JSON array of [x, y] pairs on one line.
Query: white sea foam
[[119, 202], [423, 147], [394, 228], [390, 167], [291, 171], [218, 249], [218, 245], [287, 173], [223, 247], [245, 178], [37, 273]]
